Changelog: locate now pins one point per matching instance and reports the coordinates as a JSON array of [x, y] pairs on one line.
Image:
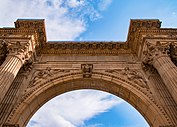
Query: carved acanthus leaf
[[153, 51]]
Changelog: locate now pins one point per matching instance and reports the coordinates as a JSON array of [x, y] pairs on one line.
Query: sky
[[87, 20]]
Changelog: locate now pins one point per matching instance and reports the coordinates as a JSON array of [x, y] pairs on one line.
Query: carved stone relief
[[111, 48], [42, 75], [132, 75], [87, 70]]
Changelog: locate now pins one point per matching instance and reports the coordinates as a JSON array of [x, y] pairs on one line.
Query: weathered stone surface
[[140, 71]]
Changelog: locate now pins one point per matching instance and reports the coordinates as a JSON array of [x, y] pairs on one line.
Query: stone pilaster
[[19, 52], [157, 55]]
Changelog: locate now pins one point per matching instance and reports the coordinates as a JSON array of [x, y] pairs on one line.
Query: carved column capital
[[19, 49], [155, 50]]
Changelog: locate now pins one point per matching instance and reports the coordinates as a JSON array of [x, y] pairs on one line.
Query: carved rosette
[[155, 50]]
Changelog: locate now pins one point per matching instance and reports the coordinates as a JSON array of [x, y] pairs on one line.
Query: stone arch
[[40, 94]]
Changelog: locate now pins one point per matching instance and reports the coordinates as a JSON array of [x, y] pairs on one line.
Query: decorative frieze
[[106, 48]]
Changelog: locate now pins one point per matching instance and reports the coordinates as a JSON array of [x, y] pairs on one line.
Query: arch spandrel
[[134, 94]]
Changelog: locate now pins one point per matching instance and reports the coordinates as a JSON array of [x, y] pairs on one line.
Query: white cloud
[[103, 5], [75, 3], [65, 19], [73, 108]]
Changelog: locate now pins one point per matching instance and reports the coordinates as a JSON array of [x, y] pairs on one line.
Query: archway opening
[[87, 108], [42, 93]]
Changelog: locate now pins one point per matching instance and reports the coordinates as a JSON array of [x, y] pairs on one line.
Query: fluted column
[[157, 55], [18, 54]]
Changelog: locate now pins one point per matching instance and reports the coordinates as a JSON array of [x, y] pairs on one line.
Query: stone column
[[18, 53], [157, 55]]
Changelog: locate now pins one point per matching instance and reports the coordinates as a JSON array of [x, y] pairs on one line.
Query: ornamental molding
[[10, 125], [141, 35], [37, 24], [83, 48]]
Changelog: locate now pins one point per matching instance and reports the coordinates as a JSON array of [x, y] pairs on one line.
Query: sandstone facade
[[141, 70]]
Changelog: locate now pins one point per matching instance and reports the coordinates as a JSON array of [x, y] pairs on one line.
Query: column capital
[[19, 49], [153, 51]]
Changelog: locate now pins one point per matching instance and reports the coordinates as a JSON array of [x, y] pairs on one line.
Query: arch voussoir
[[40, 95]]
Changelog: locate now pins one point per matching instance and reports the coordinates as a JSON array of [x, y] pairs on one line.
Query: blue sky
[[87, 108], [83, 20]]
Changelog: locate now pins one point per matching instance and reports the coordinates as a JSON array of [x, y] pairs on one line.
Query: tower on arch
[[141, 70]]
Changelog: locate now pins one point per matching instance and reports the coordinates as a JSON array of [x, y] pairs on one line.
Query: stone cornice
[[136, 24], [141, 35], [37, 24], [26, 27], [85, 48]]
